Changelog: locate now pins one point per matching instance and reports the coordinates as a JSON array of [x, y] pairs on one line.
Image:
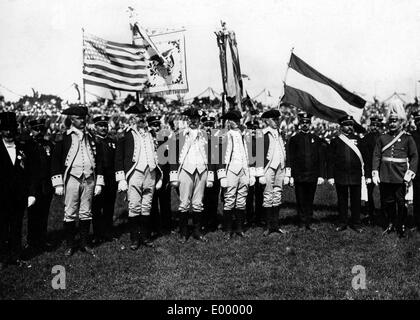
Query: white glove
[[252, 181], [209, 184], [368, 181], [223, 182], [262, 180], [291, 182], [320, 181], [122, 186], [331, 181], [286, 180], [409, 175], [158, 184], [175, 183], [31, 201], [375, 177], [98, 190], [59, 190]]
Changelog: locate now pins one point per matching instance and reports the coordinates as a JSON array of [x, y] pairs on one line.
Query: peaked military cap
[[76, 111], [232, 115], [346, 120], [137, 108], [101, 119], [208, 120], [273, 113], [252, 124], [153, 119], [35, 123], [303, 115], [8, 121]]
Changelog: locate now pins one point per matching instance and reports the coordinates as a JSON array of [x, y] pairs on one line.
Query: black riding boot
[[145, 230], [69, 234], [197, 225], [134, 223]]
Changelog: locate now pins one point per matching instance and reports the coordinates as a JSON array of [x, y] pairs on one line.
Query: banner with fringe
[[166, 61]]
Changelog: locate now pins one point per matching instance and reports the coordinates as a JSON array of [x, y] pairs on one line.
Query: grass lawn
[[318, 265]]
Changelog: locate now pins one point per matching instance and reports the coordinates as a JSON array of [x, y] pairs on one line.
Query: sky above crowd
[[369, 46]]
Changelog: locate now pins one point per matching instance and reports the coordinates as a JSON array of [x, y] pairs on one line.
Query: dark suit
[[369, 142], [17, 182], [346, 169], [103, 204], [416, 183], [161, 206], [306, 159], [38, 213]]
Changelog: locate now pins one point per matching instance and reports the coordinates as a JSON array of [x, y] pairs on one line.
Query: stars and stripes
[[113, 65], [308, 89]]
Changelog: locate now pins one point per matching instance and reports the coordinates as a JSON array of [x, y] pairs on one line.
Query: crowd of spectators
[[49, 107]]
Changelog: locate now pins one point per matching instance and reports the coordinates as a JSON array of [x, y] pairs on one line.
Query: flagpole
[[288, 65], [83, 81], [221, 41]]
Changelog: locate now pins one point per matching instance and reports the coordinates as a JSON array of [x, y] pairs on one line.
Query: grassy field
[[318, 265]]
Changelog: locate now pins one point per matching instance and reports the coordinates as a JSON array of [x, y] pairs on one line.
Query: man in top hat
[[211, 195], [161, 207], [137, 173], [235, 175], [192, 173], [270, 170], [38, 213], [369, 142], [76, 171], [345, 170], [394, 165], [18, 183], [416, 181], [103, 204], [305, 164]]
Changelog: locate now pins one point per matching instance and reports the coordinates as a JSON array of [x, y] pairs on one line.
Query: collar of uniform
[[79, 133], [270, 130], [188, 131], [9, 145], [141, 132]]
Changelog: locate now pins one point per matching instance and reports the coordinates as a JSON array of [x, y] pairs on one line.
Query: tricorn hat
[[137, 108], [192, 113], [273, 113], [232, 115], [80, 111]]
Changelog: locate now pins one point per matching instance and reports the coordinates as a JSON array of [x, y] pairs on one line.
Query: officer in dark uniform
[[18, 183], [416, 181], [38, 213], [211, 195], [104, 203], [161, 207], [345, 171], [305, 158], [254, 201], [369, 142], [394, 165]]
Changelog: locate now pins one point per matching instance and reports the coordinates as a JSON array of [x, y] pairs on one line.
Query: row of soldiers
[[202, 166]]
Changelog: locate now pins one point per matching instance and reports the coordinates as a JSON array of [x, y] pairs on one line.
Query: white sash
[[347, 141]]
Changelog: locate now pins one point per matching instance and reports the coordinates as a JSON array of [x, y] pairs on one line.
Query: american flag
[[113, 65]]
